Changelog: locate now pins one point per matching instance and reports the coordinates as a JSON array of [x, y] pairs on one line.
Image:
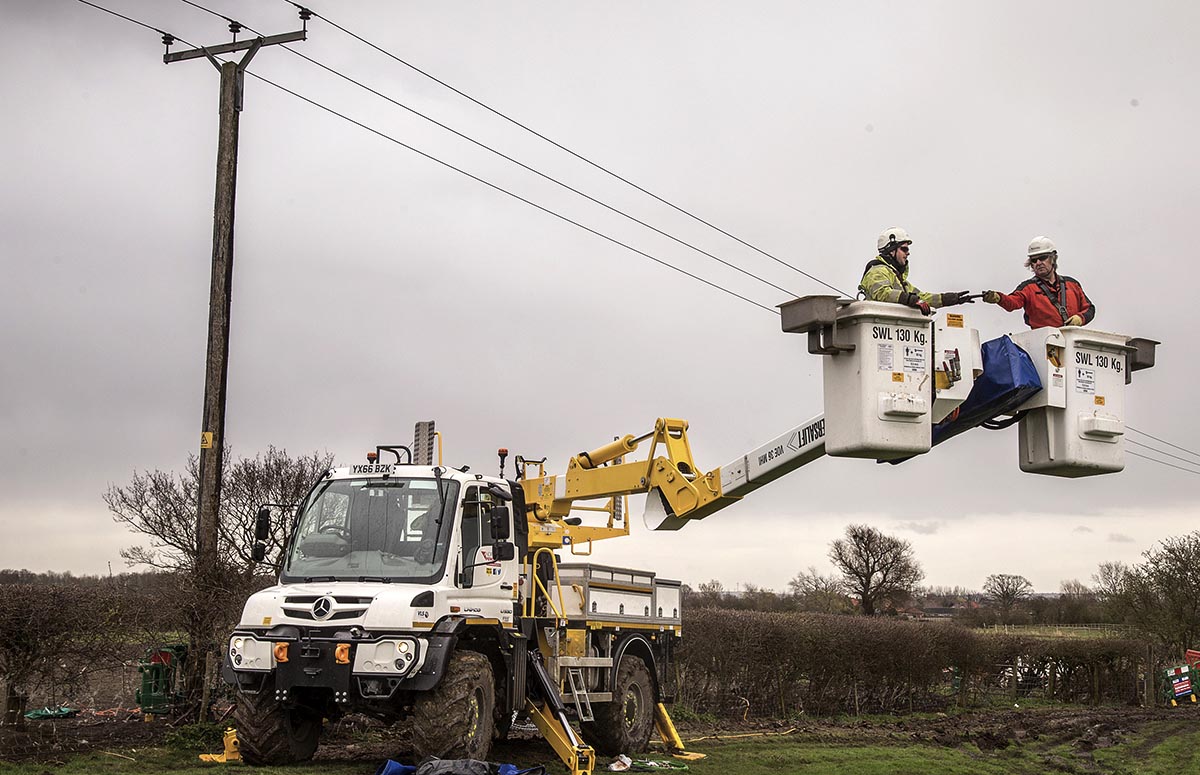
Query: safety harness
[[1059, 298]]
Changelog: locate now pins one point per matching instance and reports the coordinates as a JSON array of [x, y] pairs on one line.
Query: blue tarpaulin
[[1008, 380]]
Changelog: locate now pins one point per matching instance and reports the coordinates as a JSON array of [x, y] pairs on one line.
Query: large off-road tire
[[269, 733], [624, 725], [456, 719]]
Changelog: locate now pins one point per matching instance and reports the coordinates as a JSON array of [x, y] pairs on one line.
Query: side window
[[485, 514], [472, 521]]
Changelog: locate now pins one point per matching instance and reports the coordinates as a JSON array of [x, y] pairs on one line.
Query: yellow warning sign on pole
[[206, 440]]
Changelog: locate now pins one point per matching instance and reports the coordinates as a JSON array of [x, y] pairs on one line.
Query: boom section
[[676, 492]]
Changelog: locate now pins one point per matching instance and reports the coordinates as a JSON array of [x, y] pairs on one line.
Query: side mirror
[[262, 524], [259, 552], [500, 523], [503, 550]]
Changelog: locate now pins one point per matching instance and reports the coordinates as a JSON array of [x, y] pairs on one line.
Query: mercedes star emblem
[[323, 607]]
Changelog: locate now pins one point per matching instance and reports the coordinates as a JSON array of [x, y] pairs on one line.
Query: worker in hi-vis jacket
[[885, 278]]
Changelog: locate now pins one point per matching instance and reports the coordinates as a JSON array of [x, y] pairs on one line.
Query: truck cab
[[388, 567]]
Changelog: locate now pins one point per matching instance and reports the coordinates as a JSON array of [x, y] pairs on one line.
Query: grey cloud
[[1120, 538], [922, 528]]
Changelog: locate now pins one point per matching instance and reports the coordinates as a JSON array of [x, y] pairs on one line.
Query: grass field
[[1161, 746]]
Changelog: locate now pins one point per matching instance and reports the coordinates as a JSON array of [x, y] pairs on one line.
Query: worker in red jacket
[[1048, 298]]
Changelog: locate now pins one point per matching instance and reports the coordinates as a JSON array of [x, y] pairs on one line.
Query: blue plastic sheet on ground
[[455, 767], [392, 767], [1008, 380]]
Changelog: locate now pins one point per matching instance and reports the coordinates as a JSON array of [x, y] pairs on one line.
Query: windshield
[[374, 528]]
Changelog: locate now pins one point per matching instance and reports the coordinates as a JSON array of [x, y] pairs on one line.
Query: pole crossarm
[[241, 45]]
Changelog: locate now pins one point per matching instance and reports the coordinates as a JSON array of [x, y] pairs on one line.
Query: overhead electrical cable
[[514, 195], [134, 21], [577, 155], [504, 156], [1163, 463], [488, 183], [1162, 441], [221, 16], [1161, 452]]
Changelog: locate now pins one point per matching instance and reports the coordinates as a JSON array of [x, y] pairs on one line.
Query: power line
[[1162, 441], [134, 21], [1162, 463], [505, 156], [516, 196], [558, 145], [1161, 452], [220, 16], [478, 179]]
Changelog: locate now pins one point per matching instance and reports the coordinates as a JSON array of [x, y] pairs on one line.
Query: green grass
[[1165, 747], [774, 757], [765, 756], [1060, 631]]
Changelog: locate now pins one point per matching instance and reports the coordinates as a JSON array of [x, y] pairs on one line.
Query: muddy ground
[[358, 739]]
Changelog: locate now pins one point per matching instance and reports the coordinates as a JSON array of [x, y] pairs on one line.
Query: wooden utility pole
[[212, 430]]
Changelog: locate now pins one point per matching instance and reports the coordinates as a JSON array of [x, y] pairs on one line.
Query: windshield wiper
[[382, 579], [311, 579]]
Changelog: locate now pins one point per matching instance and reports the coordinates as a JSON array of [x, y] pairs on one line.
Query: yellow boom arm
[[668, 473]]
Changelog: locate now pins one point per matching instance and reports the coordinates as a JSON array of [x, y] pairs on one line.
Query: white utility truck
[[414, 591]]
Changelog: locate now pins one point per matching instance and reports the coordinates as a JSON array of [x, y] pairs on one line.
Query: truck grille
[[345, 607]]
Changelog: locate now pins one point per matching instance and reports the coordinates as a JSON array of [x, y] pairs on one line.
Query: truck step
[[583, 703]]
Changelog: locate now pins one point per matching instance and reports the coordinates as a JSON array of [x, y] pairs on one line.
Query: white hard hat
[[892, 236], [1040, 246]]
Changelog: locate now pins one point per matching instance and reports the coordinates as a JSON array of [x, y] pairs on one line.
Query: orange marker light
[[281, 652]]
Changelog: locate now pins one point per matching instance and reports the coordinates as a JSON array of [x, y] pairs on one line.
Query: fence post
[[206, 694], [1151, 697]]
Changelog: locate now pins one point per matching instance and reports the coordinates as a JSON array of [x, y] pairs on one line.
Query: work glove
[[914, 301], [952, 298], [1074, 320], [991, 297]]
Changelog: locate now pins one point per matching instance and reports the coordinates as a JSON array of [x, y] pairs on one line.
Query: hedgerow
[[783, 664]]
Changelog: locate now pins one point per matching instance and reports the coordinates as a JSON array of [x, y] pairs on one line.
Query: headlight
[[250, 654], [393, 656]]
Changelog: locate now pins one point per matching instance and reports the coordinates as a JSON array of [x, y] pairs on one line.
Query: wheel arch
[[637, 646]]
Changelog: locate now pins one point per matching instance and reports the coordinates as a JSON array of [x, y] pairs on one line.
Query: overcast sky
[[374, 288]]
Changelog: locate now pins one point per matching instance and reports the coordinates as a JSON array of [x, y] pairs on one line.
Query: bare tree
[[1006, 591], [161, 505], [1111, 589], [875, 567], [1162, 594], [819, 593], [1074, 588]]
